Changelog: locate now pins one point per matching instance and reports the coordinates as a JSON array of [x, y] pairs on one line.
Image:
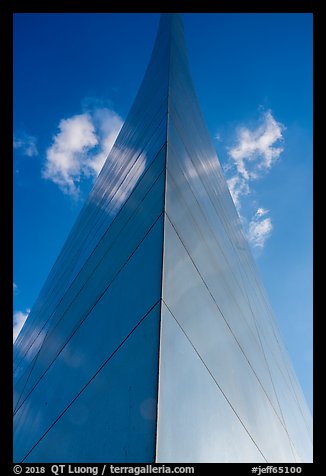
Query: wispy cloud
[[260, 228], [257, 150], [254, 152], [18, 322], [238, 187], [80, 148], [26, 144], [14, 288]]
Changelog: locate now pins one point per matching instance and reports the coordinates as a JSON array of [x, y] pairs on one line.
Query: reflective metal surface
[[152, 338], [72, 383], [114, 417], [202, 426], [216, 314]]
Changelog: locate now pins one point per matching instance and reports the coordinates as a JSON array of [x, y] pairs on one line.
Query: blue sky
[[75, 77]]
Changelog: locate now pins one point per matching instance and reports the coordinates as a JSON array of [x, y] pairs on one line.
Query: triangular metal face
[[152, 338], [224, 375], [103, 292]]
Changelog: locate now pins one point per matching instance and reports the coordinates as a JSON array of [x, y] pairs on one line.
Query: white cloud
[[26, 144], [80, 148], [256, 150], [260, 228], [238, 187], [18, 322], [14, 287], [254, 153], [108, 124], [252, 156], [261, 212], [66, 156]]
